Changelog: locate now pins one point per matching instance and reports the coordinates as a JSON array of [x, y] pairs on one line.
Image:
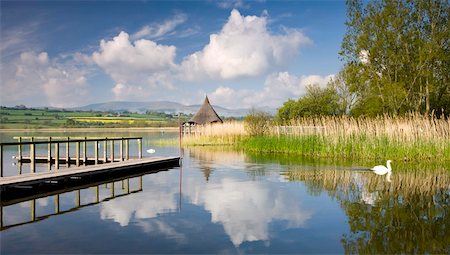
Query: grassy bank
[[413, 137]]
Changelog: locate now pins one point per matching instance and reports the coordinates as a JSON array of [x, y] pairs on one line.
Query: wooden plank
[[27, 179]]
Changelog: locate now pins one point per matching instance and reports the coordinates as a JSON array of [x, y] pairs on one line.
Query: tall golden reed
[[414, 135]]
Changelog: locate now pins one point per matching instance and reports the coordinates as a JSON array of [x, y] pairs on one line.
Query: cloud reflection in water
[[244, 208]]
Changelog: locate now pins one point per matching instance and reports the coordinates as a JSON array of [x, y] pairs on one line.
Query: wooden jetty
[[32, 179], [85, 165], [88, 171], [81, 144]]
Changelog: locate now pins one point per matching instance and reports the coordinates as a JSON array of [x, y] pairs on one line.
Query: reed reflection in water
[[410, 214]]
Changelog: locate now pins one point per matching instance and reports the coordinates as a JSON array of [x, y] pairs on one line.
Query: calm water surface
[[222, 201]]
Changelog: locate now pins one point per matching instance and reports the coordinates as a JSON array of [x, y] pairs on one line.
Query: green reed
[[414, 137], [360, 146]]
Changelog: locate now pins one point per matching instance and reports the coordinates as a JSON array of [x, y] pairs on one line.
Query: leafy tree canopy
[[396, 60]]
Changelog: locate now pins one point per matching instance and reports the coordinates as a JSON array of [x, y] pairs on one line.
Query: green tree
[[257, 122], [396, 55], [317, 101], [287, 112]]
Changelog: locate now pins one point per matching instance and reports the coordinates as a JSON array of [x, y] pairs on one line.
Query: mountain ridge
[[162, 106]]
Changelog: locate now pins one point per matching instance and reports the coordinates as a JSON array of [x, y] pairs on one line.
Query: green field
[[41, 118]]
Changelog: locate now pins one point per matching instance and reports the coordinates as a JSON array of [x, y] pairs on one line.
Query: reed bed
[[227, 133], [412, 137]]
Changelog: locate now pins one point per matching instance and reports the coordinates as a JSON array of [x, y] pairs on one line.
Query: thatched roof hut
[[205, 114]]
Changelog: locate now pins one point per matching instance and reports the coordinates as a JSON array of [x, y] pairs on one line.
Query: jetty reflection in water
[[230, 202], [86, 193]]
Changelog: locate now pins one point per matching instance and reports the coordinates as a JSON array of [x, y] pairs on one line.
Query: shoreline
[[10, 130]]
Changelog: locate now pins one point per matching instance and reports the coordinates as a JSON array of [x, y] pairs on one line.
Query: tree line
[[396, 60]]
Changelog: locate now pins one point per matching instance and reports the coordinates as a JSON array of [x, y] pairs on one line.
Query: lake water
[[224, 201]]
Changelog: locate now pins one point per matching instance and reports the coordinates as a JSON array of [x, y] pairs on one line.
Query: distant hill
[[162, 106]]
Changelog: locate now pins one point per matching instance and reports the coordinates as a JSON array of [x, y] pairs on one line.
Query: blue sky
[[240, 53]]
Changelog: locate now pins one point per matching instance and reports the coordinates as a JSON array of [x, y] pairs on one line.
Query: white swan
[[382, 170], [151, 151]]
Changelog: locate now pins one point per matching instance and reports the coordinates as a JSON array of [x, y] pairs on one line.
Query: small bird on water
[[151, 151]]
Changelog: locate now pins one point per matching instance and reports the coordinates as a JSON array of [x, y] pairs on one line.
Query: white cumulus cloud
[[136, 67], [244, 47], [35, 78], [278, 88]]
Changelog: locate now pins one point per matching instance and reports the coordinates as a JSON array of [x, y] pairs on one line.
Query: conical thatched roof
[[205, 114]]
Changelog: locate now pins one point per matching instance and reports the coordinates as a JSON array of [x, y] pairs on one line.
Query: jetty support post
[[1, 216], [33, 210], [78, 198], [67, 152], [57, 155], [140, 147], [112, 190], [97, 193], [105, 150], [77, 154], [127, 149], [57, 203], [49, 153], [1, 160], [85, 151], [32, 156], [112, 151], [121, 149], [19, 147], [96, 152]]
